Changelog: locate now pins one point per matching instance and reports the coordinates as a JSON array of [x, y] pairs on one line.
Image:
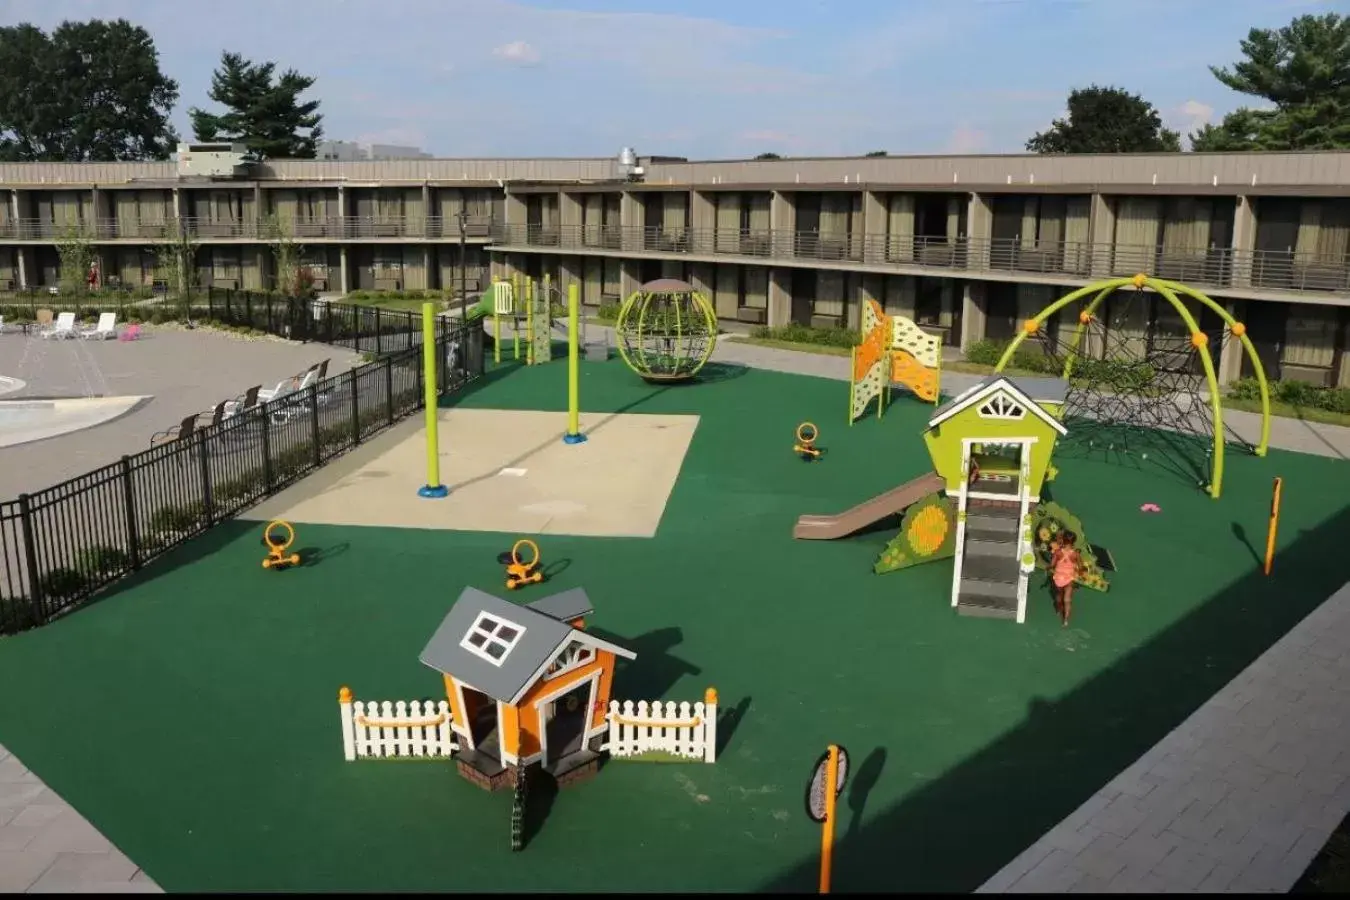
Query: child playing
[[1064, 563]]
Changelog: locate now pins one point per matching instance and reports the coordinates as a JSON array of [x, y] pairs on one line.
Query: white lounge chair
[[105, 330], [64, 327]]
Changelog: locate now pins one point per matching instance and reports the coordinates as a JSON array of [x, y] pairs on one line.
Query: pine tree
[[262, 111]]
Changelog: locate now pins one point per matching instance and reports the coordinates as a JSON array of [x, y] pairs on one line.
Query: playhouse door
[[566, 728]]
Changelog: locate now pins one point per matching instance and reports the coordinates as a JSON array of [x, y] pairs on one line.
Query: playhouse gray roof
[[564, 607], [1035, 388], [543, 637]]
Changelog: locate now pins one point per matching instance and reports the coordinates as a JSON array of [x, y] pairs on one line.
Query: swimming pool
[[24, 421]]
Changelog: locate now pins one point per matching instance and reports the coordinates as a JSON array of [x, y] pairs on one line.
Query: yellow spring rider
[[277, 545], [519, 572], [806, 442]]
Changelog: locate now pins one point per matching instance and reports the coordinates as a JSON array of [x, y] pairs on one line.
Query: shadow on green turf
[[944, 837]]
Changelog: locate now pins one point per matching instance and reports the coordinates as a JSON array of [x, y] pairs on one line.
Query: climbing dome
[[666, 330], [1141, 374]]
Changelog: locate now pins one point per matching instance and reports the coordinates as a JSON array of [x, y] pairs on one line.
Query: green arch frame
[[1168, 290], [703, 313]]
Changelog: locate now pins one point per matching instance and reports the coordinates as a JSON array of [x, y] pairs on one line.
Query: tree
[[293, 279], [1303, 71], [877, 153], [262, 112], [76, 254], [176, 265], [768, 156], [88, 92], [1106, 120]]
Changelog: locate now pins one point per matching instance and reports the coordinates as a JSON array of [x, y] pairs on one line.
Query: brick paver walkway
[[47, 847], [1240, 797]]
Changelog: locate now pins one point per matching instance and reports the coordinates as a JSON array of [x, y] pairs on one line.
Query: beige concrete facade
[[966, 245]]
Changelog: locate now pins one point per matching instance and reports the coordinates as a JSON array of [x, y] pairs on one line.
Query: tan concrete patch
[[614, 485]]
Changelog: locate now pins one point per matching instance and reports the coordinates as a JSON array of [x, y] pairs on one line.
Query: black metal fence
[[365, 329], [61, 545]]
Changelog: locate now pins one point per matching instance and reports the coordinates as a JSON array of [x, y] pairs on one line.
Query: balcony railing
[[1214, 267], [331, 227]]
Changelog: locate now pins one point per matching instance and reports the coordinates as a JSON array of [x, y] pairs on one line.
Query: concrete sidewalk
[[1239, 798], [46, 847]]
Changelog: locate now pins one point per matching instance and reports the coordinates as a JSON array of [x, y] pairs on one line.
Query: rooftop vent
[[212, 160]]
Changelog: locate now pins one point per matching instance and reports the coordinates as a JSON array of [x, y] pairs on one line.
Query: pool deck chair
[[105, 330], [177, 433], [64, 327]]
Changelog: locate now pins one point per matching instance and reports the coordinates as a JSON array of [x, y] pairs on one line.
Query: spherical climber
[[1031, 326], [1238, 329], [1199, 339], [666, 330]]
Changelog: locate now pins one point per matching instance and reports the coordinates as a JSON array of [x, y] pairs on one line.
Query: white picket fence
[[680, 729], [395, 730]]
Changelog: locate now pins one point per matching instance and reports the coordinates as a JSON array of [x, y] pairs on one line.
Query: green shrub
[[177, 519], [804, 334], [16, 614], [102, 560], [237, 488], [608, 312], [63, 583], [1294, 393]]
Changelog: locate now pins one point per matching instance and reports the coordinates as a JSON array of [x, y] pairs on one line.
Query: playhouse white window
[[577, 654], [1001, 406], [492, 638]]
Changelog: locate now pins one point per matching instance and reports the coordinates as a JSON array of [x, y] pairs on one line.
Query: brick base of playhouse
[[489, 775]]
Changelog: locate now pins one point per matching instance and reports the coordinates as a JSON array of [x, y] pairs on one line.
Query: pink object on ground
[[1150, 507], [130, 333]]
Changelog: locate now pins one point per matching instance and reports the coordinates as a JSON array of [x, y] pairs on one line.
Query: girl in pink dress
[[1064, 563]]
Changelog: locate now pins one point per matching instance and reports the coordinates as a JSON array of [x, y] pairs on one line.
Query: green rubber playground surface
[[192, 716]]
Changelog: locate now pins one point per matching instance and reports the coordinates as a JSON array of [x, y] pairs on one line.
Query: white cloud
[[967, 140], [1191, 115], [520, 53]]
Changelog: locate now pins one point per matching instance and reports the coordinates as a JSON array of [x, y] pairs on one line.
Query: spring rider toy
[[806, 442], [518, 572], [277, 547]]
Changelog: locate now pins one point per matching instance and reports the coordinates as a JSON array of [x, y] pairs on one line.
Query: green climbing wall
[[541, 324], [927, 533], [1048, 519]]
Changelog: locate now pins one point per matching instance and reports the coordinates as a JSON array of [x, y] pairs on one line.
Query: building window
[[492, 638], [576, 655], [1001, 406]]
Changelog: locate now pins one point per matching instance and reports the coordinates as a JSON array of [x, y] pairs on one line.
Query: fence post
[[129, 510], [348, 734], [328, 323], [248, 308], [356, 410], [30, 558], [379, 341], [710, 725], [421, 390], [210, 304], [204, 461], [229, 307], [264, 419], [314, 423], [389, 389]]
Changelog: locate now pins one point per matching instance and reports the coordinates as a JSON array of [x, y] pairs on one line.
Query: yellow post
[[574, 435], [496, 325], [529, 321], [433, 487], [516, 294], [1274, 523], [827, 828]]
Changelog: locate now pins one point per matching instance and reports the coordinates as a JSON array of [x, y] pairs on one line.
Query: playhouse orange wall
[[519, 727]]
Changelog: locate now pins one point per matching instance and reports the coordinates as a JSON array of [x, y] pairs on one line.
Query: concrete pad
[[24, 421], [508, 471]]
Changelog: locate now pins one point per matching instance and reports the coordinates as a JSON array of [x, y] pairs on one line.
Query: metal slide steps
[[990, 571]]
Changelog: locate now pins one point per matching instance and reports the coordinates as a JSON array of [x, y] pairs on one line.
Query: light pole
[[463, 292]]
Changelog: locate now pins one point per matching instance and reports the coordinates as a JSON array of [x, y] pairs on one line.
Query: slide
[[828, 528]]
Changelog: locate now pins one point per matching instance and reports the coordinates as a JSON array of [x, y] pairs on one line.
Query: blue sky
[[699, 78]]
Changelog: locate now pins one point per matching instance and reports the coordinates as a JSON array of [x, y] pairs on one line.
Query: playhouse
[[982, 504], [526, 684]]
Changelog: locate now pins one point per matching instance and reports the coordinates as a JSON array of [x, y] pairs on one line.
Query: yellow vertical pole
[[529, 321], [433, 487], [516, 295], [827, 827], [496, 325], [1274, 523], [574, 435]]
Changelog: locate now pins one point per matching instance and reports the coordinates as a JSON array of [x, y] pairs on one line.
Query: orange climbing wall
[[920, 379]]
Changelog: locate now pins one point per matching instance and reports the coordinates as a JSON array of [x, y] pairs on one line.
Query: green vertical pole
[[496, 325], [433, 487], [574, 435], [517, 294]]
